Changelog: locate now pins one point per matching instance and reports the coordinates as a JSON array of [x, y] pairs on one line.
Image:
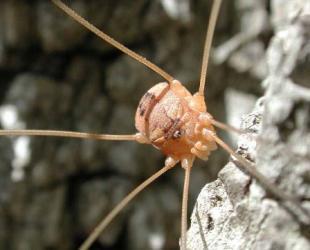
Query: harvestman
[[170, 118]]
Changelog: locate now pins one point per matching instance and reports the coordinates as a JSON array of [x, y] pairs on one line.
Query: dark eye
[[177, 134]]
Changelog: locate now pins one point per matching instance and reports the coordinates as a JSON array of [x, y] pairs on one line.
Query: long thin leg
[[111, 41], [229, 128], [301, 214], [226, 127], [206, 53], [170, 163], [71, 134], [187, 165], [249, 168]]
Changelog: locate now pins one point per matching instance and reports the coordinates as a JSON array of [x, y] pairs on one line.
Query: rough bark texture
[[235, 211], [56, 75]]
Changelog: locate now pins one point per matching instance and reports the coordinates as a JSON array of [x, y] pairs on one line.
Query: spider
[[171, 119]]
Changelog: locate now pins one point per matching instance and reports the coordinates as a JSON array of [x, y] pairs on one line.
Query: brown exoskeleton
[[170, 118]]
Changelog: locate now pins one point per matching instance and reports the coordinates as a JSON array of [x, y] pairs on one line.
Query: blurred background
[[54, 74]]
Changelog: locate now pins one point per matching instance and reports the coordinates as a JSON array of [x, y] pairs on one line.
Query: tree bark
[[235, 211]]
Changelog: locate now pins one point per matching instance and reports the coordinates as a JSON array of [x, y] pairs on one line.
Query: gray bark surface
[[235, 211]]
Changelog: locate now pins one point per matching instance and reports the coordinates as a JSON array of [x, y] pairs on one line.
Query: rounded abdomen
[[164, 117]]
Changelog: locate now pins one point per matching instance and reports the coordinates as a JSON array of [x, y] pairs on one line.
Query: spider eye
[[177, 134]]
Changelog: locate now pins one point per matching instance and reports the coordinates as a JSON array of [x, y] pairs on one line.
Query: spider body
[[175, 121]]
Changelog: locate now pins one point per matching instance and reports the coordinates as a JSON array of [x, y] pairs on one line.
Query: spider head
[[175, 121]]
